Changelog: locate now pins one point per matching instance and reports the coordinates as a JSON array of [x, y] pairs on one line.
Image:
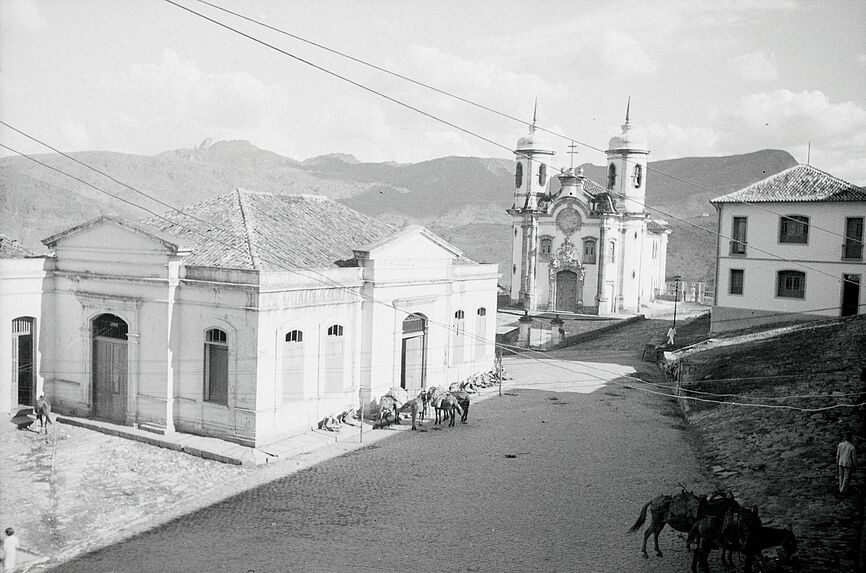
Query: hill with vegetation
[[461, 198]]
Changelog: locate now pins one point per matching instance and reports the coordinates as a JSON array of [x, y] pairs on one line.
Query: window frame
[[545, 241], [293, 380], [852, 248], [788, 227], [791, 292], [590, 258], [741, 273], [213, 342], [739, 240]]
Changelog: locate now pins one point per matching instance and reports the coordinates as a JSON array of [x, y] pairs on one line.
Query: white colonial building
[[22, 278], [248, 317], [585, 247], [790, 248]]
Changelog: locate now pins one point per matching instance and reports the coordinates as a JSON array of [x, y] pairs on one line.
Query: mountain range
[[463, 199]]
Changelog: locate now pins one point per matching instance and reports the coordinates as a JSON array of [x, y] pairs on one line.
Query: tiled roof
[[593, 187], [799, 183], [12, 249], [657, 226], [264, 231]]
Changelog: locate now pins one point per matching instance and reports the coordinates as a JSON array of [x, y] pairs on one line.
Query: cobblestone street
[[547, 477]]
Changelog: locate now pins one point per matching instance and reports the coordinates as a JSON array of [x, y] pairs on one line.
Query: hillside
[[462, 198], [781, 456]]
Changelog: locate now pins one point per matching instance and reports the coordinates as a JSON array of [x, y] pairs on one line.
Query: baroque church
[[580, 246]]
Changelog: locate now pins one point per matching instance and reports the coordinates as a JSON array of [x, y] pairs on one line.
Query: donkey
[[766, 537], [387, 408], [463, 399], [735, 531], [417, 405], [43, 413], [447, 407], [680, 511]]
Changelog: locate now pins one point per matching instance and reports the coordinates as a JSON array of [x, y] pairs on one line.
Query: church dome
[[631, 139], [532, 141]]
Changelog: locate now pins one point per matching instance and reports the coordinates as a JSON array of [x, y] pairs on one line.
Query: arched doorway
[[413, 360], [566, 291], [109, 367], [23, 361]]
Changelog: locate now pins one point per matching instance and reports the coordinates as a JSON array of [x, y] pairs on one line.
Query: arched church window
[[638, 175], [518, 175], [611, 176], [542, 174], [611, 251], [589, 251]]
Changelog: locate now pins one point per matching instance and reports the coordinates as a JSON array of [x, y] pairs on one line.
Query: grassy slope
[[780, 459]]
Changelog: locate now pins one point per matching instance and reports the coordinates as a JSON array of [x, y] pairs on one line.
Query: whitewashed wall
[[21, 284], [820, 259]]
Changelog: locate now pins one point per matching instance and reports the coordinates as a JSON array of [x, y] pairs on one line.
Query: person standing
[[846, 457], [672, 333], [10, 550]]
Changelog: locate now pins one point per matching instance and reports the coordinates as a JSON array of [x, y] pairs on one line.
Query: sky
[[704, 78]]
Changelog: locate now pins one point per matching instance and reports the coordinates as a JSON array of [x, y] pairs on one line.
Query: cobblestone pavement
[[547, 477]]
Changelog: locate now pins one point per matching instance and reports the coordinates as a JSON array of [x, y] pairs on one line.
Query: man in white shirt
[[846, 457], [10, 548]]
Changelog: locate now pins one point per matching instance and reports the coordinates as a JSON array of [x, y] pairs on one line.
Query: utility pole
[[677, 279]]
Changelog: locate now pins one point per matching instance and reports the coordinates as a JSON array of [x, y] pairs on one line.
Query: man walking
[[10, 550], [846, 457]]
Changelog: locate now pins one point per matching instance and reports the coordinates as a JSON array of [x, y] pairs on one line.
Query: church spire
[[627, 108], [535, 112]]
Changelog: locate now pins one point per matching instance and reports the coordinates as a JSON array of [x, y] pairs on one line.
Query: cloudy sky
[[705, 78]]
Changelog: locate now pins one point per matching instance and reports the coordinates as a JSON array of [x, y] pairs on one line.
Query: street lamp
[[677, 279]]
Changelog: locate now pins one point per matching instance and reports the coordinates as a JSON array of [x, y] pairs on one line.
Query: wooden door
[[566, 291], [412, 365], [109, 378], [850, 295]]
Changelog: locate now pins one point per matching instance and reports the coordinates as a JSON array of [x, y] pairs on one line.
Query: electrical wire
[[466, 131], [485, 108]]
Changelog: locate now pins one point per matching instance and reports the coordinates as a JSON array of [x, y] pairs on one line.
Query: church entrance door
[[109, 368], [413, 361], [566, 291]]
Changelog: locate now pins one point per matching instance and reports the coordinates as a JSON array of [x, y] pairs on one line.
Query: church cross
[[572, 150]]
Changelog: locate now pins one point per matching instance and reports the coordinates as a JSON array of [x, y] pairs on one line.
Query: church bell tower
[[531, 183], [626, 167]]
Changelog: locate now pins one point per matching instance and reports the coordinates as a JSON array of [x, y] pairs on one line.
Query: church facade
[[585, 248]]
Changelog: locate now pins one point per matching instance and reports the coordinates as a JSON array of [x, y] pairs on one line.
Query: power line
[[466, 131], [480, 106]]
